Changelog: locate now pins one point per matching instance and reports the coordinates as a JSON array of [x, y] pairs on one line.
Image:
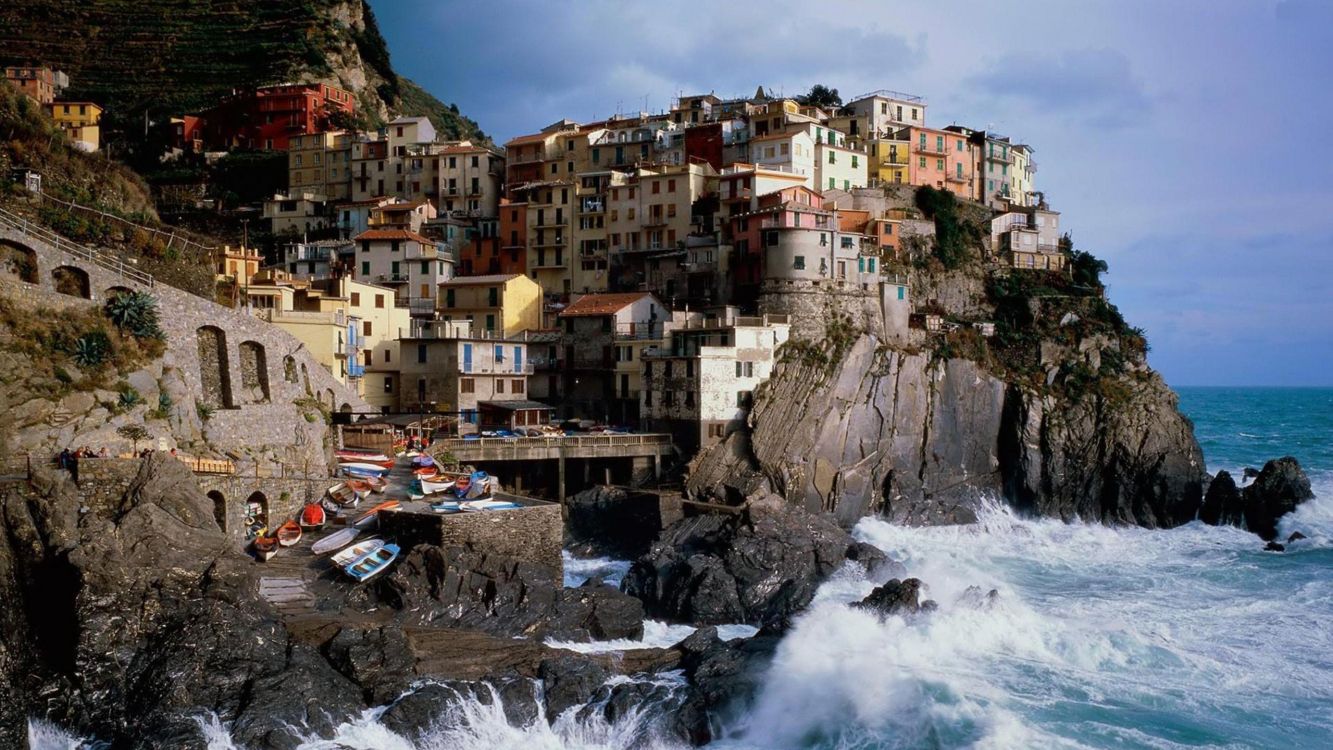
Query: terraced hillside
[[168, 56]]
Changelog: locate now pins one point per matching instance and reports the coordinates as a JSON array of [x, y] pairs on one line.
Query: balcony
[[655, 220], [962, 179], [550, 263], [356, 370], [417, 306], [495, 368], [392, 278], [931, 150], [555, 242]]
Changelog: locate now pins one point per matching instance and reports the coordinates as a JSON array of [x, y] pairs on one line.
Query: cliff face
[[174, 57], [922, 440]]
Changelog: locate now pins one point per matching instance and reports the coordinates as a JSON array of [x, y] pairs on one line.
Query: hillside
[[164, 57]]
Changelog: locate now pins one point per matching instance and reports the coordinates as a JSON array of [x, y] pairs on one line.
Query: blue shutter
[[467, 358]]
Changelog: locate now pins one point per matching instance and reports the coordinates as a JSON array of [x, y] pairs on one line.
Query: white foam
[[579, 569], [46, 736], [656, 634]]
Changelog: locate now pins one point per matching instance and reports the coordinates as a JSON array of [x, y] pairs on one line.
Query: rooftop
[[601, 304], [519, 405], [498, 278], [391, 234]]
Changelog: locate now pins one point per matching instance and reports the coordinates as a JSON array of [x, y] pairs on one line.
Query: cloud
[[1095, 87]]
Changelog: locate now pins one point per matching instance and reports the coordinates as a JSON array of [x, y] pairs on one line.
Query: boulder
[[1279, 487], [461, 587], [1274, 547], [1222, 504], [612, 522], [877, 564], [756, 567], [432, 705], [724, 678], [1295, 537], [569, 681], [379, 660], [897, 597]]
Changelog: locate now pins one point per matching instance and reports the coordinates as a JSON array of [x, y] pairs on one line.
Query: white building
[[700, 385], [410, 263]]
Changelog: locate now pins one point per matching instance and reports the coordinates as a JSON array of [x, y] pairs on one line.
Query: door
[[467, 358], [518, 359]]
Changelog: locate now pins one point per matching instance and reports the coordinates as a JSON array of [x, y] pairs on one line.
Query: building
[[297, 214], [187, 133], [840, 164], [1022, 176], [942, 159], [470, 180], [878, 113], [317, 259], [599, 330], [700, 385], [236, 265], [498, 305], [1029, 238], [411, 264], [321, 163], [513, 237], [447, 370], [40, 83], [270, 116], [80, 121]]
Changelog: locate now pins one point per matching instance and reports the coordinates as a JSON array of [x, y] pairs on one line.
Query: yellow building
[[80, 121], [499, 305], [889, 162], [321, 163]]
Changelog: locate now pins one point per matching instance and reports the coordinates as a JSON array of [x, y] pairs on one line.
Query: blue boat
[[363, 471], [371, 565], [446, 507]]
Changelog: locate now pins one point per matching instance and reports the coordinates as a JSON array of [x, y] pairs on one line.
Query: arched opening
[[113, 292], [256, 514], [305, 378], [346, 408], [72, 281], [214, 373], [19, 262], [330, 399], [219, 508], [254, 372], [289, 369]]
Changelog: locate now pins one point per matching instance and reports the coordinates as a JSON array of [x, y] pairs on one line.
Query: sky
[[1185, 142]]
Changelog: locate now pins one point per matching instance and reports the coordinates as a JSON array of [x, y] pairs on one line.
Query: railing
[[208, 465], [889, 94], [97, 258], [577, 441], [172, 240]]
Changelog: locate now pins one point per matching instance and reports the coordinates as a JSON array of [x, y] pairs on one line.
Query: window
[[425, 267], [832, 183], [388, 384], [379, 300], [388, 356], [517, 386], [671, 186], [490, 321], [365, 268], [657, 187], [466, 385], [365, 328], [860, 265], [902, 292], [855, 164], [921, 162], [499, 386], [832, 157], [421, 353], [356, 299], [799, 264], [689, 399], [939, 165], [870, 265], [449, 298]]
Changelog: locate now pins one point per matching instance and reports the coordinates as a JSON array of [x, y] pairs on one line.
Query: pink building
[[942, 159]]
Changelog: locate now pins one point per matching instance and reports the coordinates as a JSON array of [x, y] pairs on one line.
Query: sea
[[1095, 637]]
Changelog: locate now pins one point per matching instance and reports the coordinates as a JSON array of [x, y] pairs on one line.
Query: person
[[102, 453], [64, 459]]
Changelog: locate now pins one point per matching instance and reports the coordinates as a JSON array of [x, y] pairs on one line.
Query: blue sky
[[1185, 141]]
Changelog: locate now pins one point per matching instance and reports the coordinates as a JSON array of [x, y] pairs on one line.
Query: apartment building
[[700, 385], [1022, 175], [942, 159], [316, 259], [40, 83], [298, 213], [413, 265], [270, 116], [321, 163], [470, 177], [496, 305], [447, 370], [80, 121], [1029, 238], [598, 330]]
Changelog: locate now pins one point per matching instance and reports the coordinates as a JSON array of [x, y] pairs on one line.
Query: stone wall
[[810, 305], [534, 532], [240, 366]]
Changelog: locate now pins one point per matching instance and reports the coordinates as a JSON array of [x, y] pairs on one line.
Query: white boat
[[480, 505], [357, 551], [430, 488], [335, 541], [481, 487]]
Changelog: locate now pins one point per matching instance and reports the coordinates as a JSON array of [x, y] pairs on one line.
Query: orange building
[[41, 83], [942, 159], [513, 237]]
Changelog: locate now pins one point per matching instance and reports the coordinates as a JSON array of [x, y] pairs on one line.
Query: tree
[[821, 96], [1087, 269], [133, 433]]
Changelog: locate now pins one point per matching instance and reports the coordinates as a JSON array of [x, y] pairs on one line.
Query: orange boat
[[426, 471], [265, 547], [313, 516], [289, 533], [373, 513]]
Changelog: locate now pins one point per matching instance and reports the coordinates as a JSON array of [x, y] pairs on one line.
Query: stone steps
[[291, 596]]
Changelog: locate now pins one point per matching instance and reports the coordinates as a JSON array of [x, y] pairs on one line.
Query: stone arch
[[214, 370], [254, 372], [330, 399], [113, 292], [219, 508], [18, 261], [73, 281], [305, 377], [289, 369], [256, 514], [346, 408]]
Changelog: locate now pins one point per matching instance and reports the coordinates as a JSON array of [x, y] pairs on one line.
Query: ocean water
[[1096, 637]]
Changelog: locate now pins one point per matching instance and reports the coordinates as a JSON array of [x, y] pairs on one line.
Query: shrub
[[205, 411], [136, 313], [91, 349], [134, 433], [129, 397]]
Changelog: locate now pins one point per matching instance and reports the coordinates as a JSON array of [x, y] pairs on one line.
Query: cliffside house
[[605, 335], [413, 265], [80, 121], [39, 83]]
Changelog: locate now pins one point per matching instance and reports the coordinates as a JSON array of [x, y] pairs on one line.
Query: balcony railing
[[960, 178], [495, 368], [932, 150]]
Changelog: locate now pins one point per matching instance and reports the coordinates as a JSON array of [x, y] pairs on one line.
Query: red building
[[268, 117], [704, 143], [187, 133], [513, 237]]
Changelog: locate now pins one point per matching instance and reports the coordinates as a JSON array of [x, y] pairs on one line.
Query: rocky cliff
[[1057, 412]]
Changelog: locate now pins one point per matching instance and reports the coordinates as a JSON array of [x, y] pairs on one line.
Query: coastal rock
[[461, 587], [724, 677], [893, 598], [919, 440], [755, 567], [1274, 547], [1279, 487], [379, 660], [1295, 537], [568, 681], [1222, 504], [611, 522], [431, 705], [877, 564]]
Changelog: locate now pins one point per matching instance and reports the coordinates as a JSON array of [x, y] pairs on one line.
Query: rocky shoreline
[[131, 624]]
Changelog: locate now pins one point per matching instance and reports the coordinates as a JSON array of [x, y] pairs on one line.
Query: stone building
[[446, 369], [599, 330]]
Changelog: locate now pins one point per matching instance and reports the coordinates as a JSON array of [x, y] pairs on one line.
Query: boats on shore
[[432, 487], [474, 506], [367, 485], [372, 564], [372, 515], [265, 547], [366, 456], [289, 533], [313, 517], [362, 470], [345, 494], [357, 551], [335, 541]]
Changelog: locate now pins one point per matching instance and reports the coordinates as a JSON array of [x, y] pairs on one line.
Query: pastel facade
[[944, 160], [321, 163], [413, 265], [450, 372], [80, 121], [499, 305]]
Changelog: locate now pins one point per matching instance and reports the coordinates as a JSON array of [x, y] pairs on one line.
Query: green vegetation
[[448, 121], [955, 233], [821, 96], [164, 405], [135, 313], [135, 433], [129, 397], [205, 411]]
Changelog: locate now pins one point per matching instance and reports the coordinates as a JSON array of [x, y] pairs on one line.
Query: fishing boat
[[289, 533], [357, 551], [335, 541], [265, 547], [379, 462], [361, 471], [429, 487], [424, 460], [346, 494], [446, 506], [373, 514], [366, 485], [313, 517], [358, 454], [373, 564], [426, 471], [473, 506], [480, 485]]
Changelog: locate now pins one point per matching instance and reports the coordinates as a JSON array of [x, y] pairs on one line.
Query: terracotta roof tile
[[392, 234], [601, 304]]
